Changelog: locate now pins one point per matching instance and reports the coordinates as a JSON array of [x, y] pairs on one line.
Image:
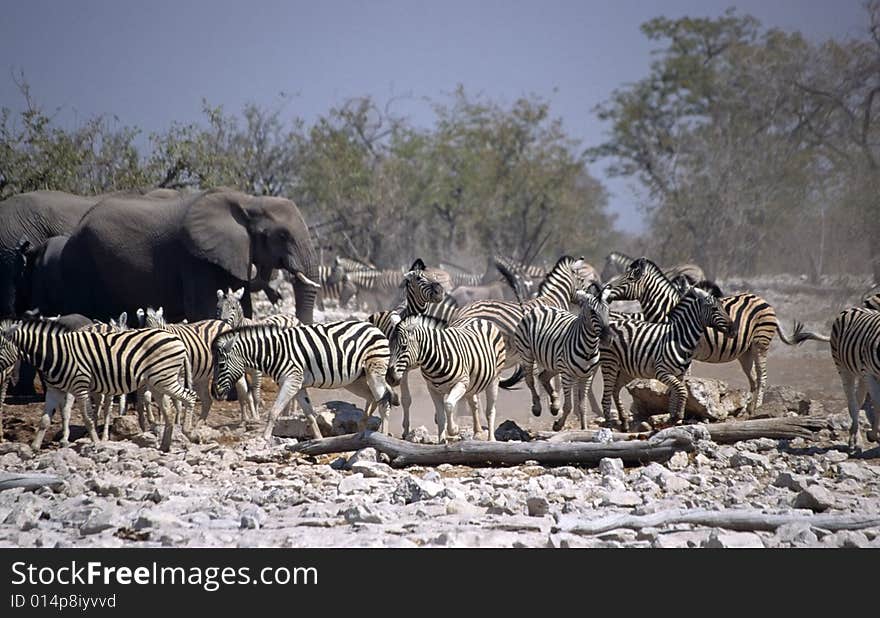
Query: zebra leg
[[405, 401], [291, 386], [582, 387], [143, 404], [474, 405], [853, 402], [566, 405], [677, 395], [245, 403], [108, 411], [375, 376], [49, 407], [439, 414], [547, 379], [747, 362], [86, 403], [3, 386], [623, 414], [761, 375], [181, 397], [256, 392], [450, 401], [491, 398], [528, 367], [203, 390], [874, 389], [609, 382]]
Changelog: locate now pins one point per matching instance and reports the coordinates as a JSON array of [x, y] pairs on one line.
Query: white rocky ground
[[236, 491]]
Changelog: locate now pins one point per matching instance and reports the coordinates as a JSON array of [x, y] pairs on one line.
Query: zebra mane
[[561, 264], [51, 326], [223, 338], [687, 299]]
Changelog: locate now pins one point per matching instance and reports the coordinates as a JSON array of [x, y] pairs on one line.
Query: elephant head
[[235, 231]]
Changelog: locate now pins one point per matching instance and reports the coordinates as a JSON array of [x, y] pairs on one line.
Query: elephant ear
[[214, 229]]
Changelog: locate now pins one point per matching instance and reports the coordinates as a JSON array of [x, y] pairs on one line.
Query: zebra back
[[855, 341]]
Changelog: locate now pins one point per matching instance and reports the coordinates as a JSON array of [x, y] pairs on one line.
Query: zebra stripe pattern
[[106, 363], [455, 361], [563, 343], [855, 348], [349, 354], [755, 320], [660, 351]]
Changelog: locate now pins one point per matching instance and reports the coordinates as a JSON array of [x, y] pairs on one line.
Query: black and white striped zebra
[[682, 275], [661, 351], [755, 319], [456, 362], [9, 359], [349, 354], [113, 363], [871, 299], [420, 294], [855, 348], [336, 286], [558, 342], [197, 337]]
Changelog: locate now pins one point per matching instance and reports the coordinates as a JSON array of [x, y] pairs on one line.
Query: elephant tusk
[[306, 280]]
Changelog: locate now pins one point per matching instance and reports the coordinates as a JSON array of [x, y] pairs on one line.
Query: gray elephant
[[33, 218], [134, 251], [41, 282]]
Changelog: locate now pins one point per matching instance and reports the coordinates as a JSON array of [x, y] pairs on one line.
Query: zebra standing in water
[[855, 348], [351, 355], [197, 338], [563, 343], [755, 319], [455, 361], [82, 363], [661, 351], [420, 294]]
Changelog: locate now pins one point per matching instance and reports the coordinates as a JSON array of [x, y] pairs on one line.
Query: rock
[[847, 538], [836, 456], [460, 506], [293, 427], [156, 519], [612, 467], [348, 418], [354, 483], [419, 435], [794, 482], [204, 435], [362, 514], [815, 497], [99, 521], [704, 401], [621, 498], [25, 515], [125, 427], [252, 517], [509, 431], [105, 487], [363, 455], [371, 469], [782, 400], [146, 440], [799, 533], [854, 471], [678, 461], [680, 539], [730, 539], [411, 490], [24, 451], [603, 436], [673, 483], [538, 506], [746, 458]]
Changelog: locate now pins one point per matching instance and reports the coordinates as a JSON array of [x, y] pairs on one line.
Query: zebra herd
[[564, 332]]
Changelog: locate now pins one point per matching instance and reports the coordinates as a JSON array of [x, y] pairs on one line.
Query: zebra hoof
[[558, 425], [873, 435], [554, 411], [536, 411]]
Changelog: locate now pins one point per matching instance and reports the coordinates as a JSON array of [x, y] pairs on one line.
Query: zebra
[[374, 287], [8, 359], [349, 354], [755, 319], [661, 351], [420, 295], [455, 361], [558, 289], [197, 338], [104, 404], [871, 299], [229, 310], [855, 349], [683, 275], [336, 285], [115, 363], [563, 343]]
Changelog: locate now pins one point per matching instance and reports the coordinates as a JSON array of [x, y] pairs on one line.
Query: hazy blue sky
[[152, 62]]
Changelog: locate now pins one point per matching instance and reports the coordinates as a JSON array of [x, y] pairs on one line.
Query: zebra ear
[[418, 265], [238, 294], [123, 319], [395, 318], [637, 268], [160, 312], [220, 295]]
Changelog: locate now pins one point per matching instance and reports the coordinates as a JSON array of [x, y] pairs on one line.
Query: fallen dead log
[[28, 481], [473, 452], [731, 519], [722, 433]]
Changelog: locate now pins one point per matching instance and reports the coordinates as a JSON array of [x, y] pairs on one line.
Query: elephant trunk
[[305, 295]]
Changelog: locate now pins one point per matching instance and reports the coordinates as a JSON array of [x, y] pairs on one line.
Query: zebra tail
[[799, 335], [509, 383], [511, 280]]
